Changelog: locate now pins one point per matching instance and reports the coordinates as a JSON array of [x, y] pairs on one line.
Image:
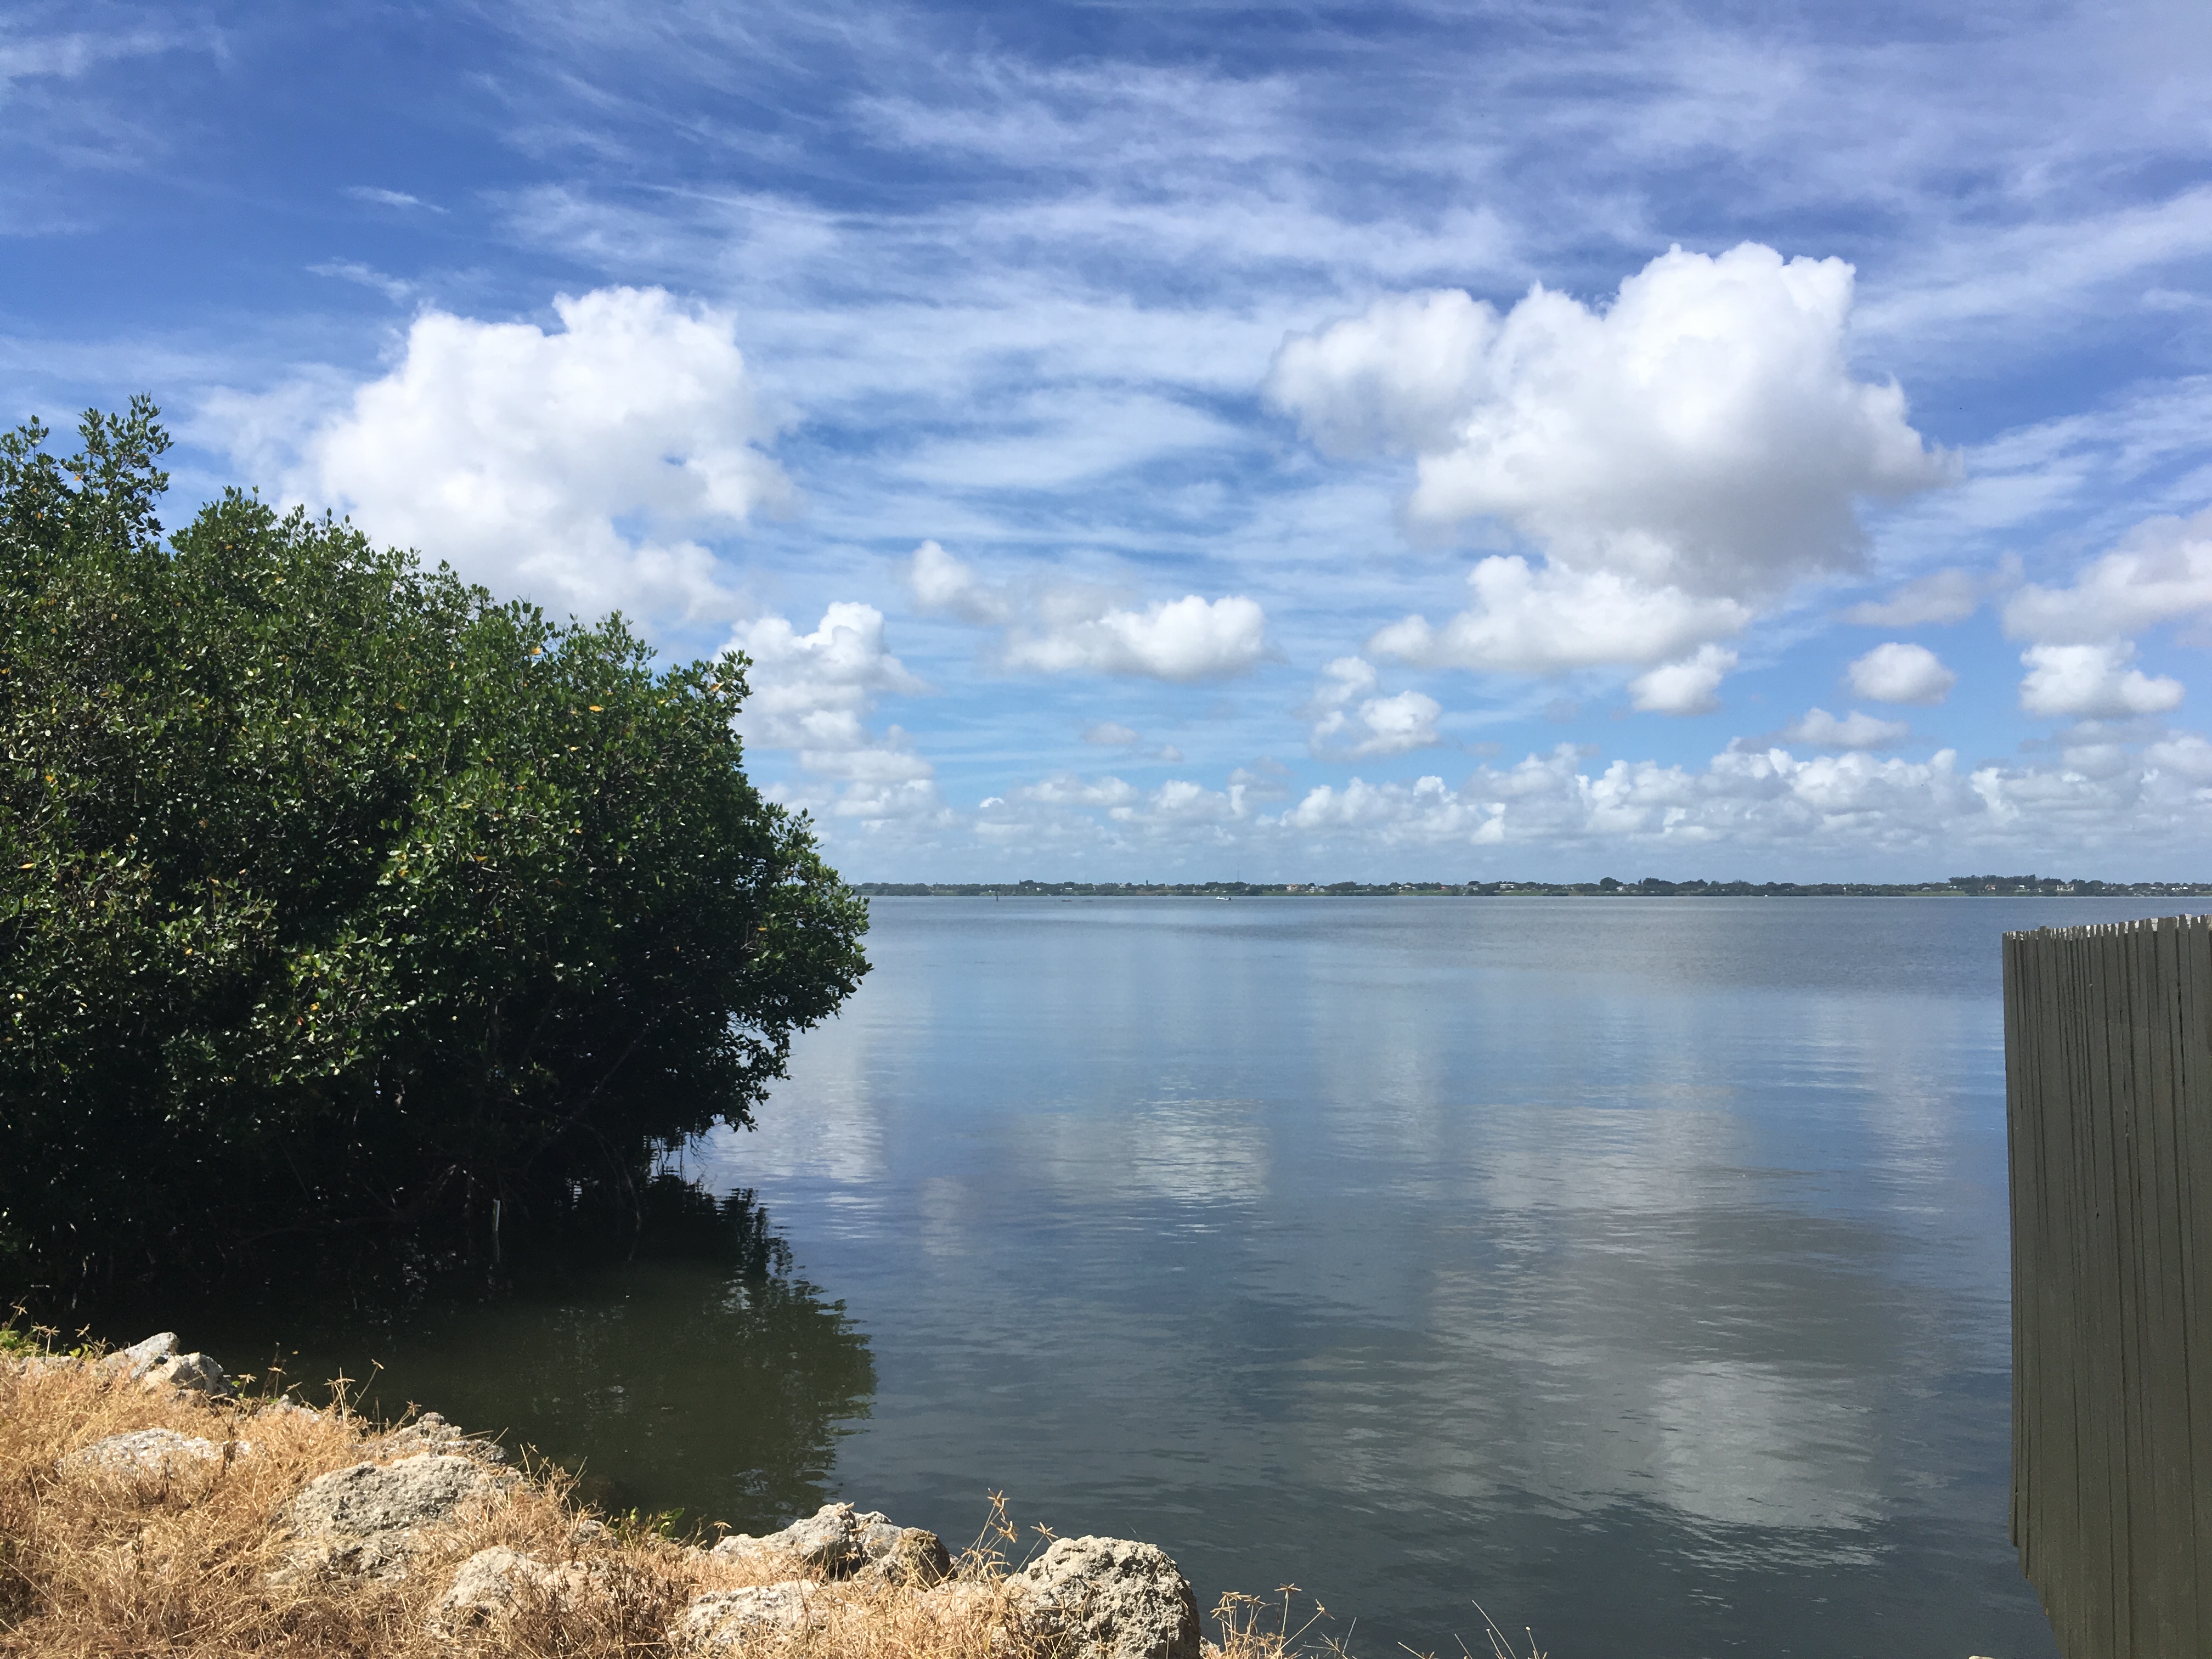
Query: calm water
[[1636, 1269]]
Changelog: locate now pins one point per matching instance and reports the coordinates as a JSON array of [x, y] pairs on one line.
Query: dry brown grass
[[179, 1564], [96, 1562]]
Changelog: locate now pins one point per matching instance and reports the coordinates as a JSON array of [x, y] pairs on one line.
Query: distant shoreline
[[1651, 887]]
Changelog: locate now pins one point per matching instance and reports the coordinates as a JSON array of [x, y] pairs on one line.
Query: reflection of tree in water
[[700, 1372]]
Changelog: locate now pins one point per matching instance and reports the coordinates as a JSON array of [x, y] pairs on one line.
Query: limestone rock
[[44, 1365], [193, 1373], [431, 1432], [722, 1621], [489, 1585], [911, 1556], [1116, 1599], [961, 1601], [368, 1519], [838, 1542], [146, 1452], [740, 1547], [828, 1541], [135, 1361]]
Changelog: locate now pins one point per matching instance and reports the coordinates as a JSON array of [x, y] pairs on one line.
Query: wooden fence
[[2108, 1102]]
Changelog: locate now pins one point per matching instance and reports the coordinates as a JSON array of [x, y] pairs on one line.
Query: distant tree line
[[1607, 887]]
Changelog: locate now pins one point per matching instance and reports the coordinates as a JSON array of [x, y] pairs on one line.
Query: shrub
[[332, 891]]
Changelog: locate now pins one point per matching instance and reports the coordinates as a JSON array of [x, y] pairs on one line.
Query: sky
[[1194, 442]]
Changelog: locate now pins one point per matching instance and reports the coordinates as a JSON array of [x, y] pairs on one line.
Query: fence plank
[[2108, 1108], [2193, 1115], [2167, 1587]]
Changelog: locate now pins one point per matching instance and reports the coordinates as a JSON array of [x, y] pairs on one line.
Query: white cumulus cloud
[[2160, 572], [1689, 687], [1682, 457], [1065, 810], [1072, 627], [2184, 754], [1741, 799], [1817, 728], [2092, 682], [1398, 377], [1348, 723], [2106, 791], [1066, 789], [812, 693], [571, 467], [1898, 673], [1541, 620], [942, 584]]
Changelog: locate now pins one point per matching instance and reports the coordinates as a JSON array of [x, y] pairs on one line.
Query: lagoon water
[[1636, 1269]]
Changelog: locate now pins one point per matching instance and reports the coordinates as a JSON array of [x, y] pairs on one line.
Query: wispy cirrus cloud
[[379, 196], [1022, 292]]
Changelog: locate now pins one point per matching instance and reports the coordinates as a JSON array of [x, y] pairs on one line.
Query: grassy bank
[[190, 1557], [188, 1552]]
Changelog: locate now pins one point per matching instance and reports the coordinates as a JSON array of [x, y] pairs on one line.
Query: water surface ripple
[[1638, 1268]]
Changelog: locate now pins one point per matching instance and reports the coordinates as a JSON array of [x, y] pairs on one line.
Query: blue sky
[[1297, 442]]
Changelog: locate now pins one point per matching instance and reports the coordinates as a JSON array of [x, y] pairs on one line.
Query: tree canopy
[[331, 888]]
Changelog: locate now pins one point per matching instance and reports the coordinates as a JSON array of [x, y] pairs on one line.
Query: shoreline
[[148, 1505]]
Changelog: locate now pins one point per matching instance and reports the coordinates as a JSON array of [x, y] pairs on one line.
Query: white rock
[[740, 1547], [45, 1364], [828, 1541], [432, 1432], [722, 1621], [135, 1361], [960, 1601], [370, 1518], [193, 1373], [147, 1451], [912, 1556], [1112, 1597], [487, 1587]]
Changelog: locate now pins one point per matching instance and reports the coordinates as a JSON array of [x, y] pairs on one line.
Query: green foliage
[[330, 889]]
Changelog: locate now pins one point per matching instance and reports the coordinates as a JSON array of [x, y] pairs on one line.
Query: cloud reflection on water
[[1373, 1243]]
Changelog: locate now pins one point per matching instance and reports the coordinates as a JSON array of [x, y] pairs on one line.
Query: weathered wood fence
[[2108, 1100]]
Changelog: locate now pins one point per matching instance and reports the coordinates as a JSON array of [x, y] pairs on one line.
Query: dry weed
[[177, 1561]]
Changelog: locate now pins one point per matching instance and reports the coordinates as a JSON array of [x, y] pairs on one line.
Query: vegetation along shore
[[337, 897], [149, 1503], [2029, 886], [347, 910]]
